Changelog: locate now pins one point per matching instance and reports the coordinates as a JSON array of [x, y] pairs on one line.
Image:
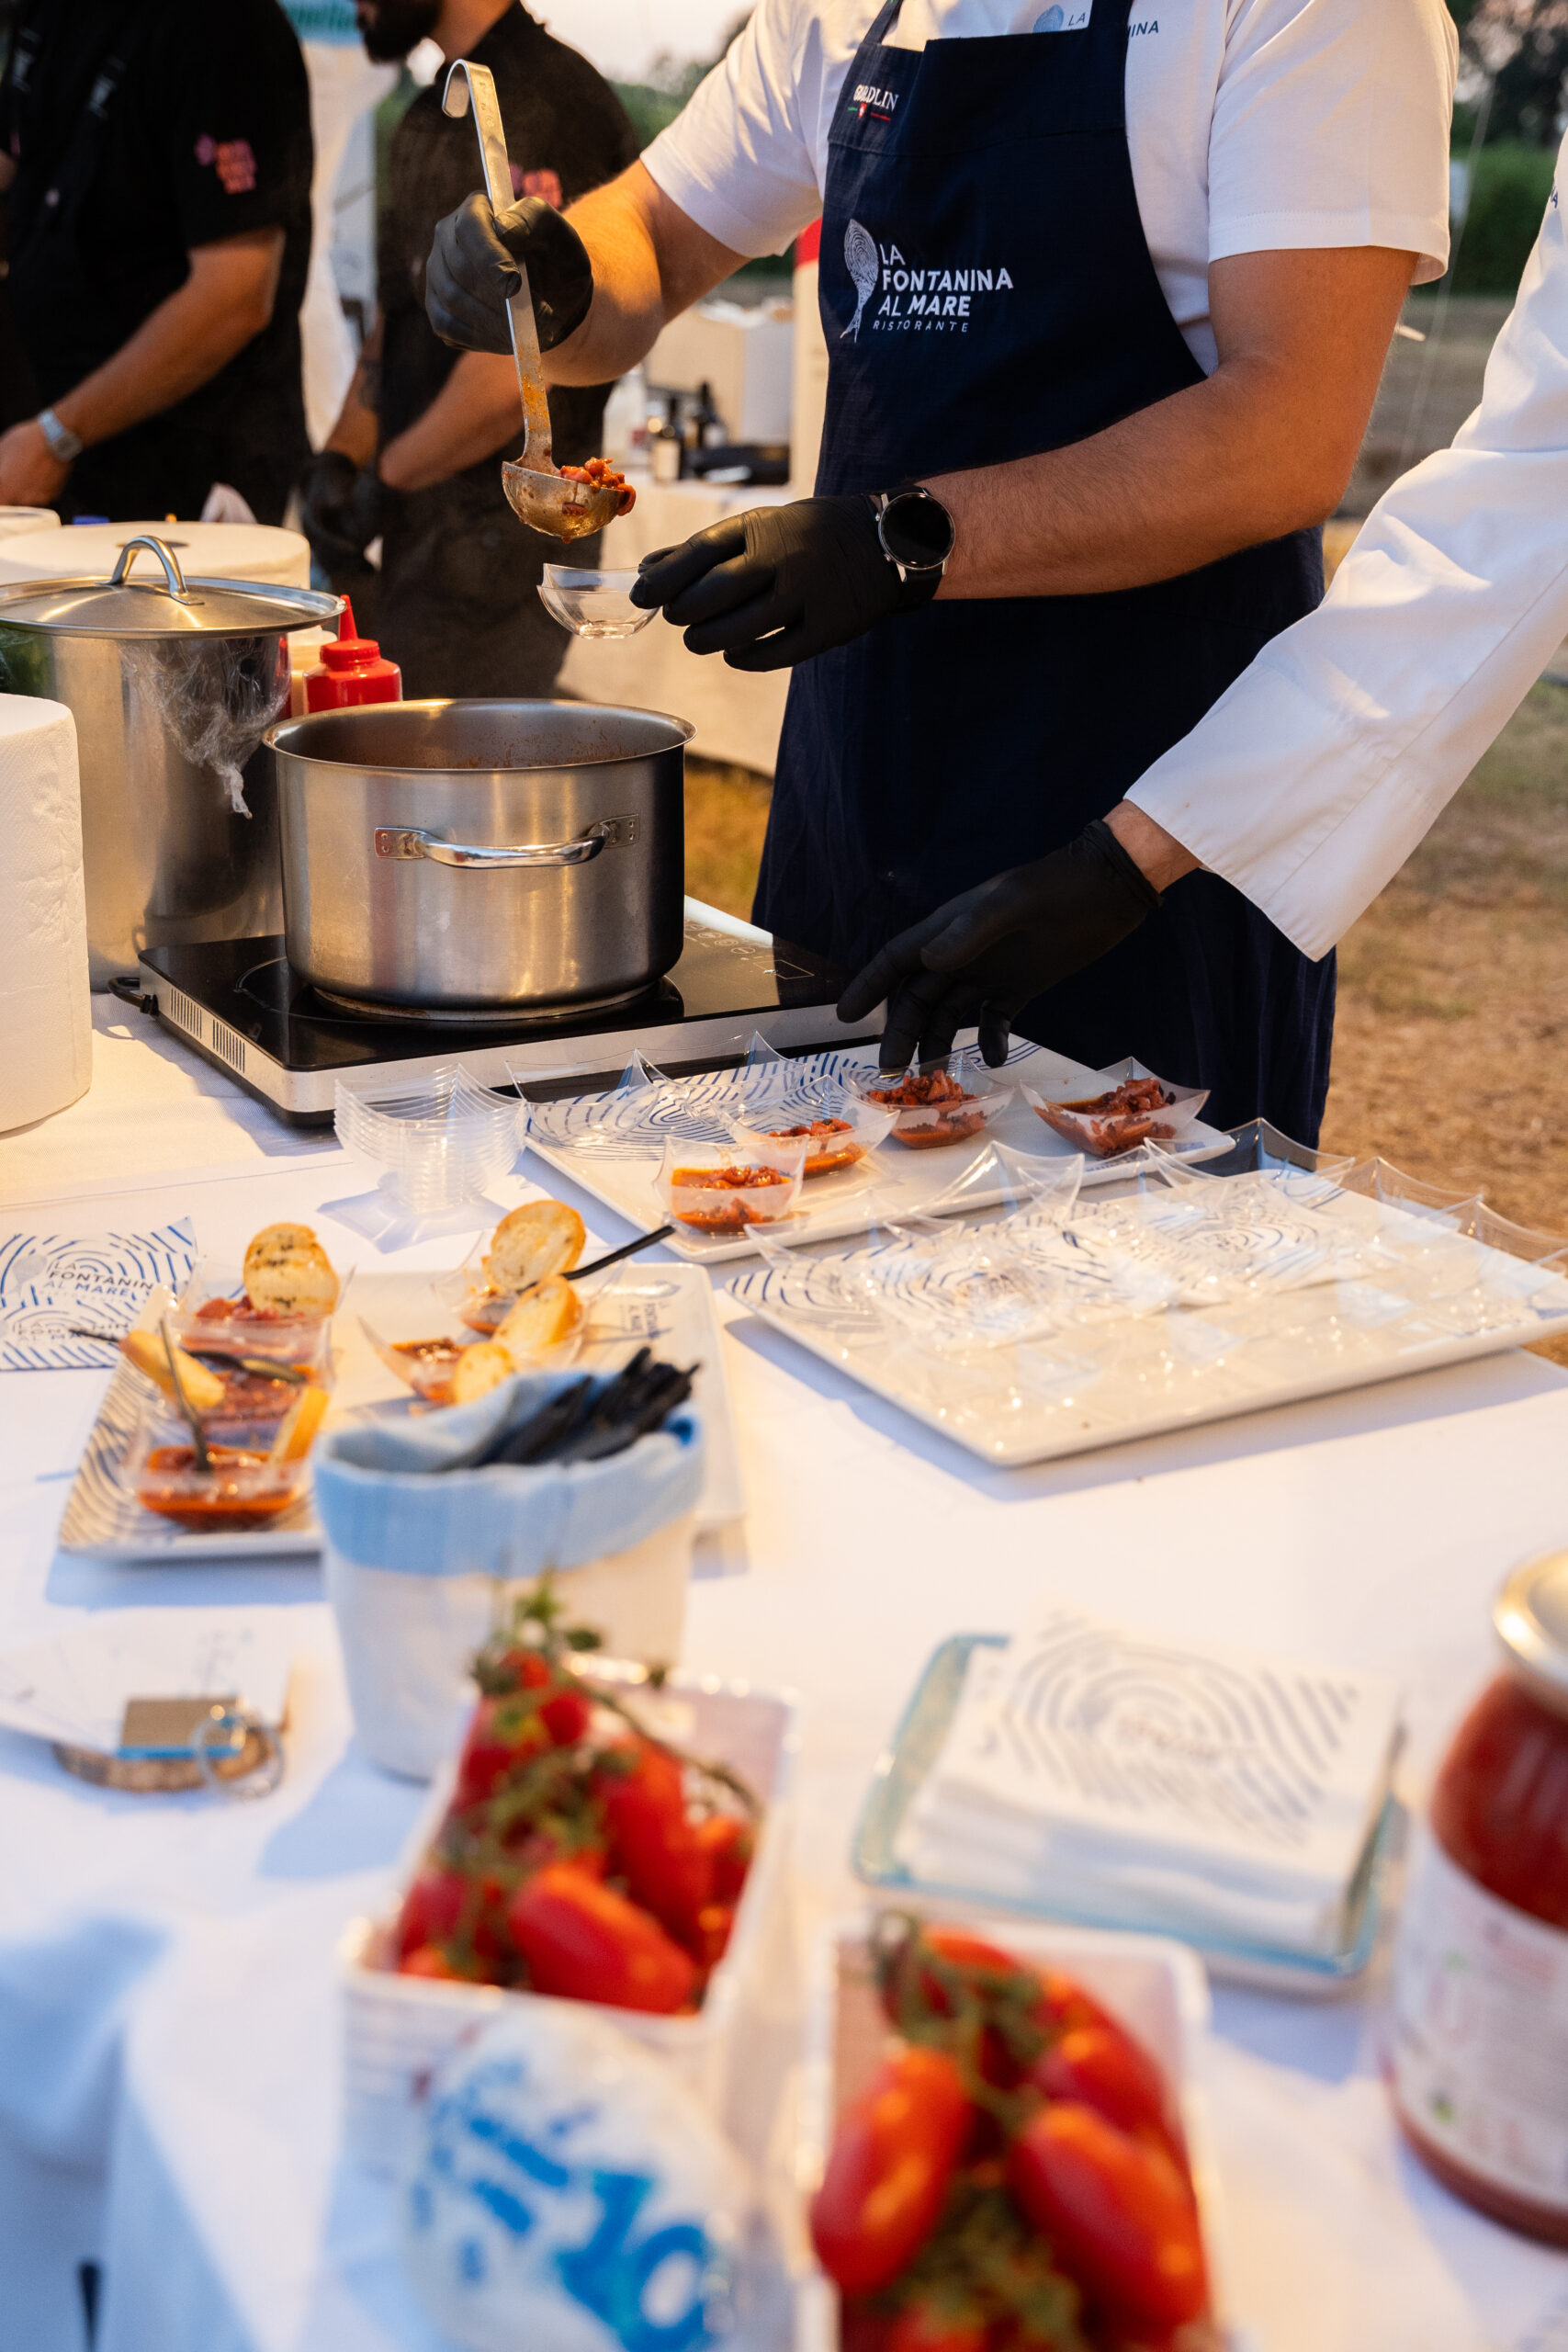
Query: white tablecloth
[[737, 717], [167, 2018]]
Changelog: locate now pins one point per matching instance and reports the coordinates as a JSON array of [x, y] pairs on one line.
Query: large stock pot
[[459, 857], [172, 683]]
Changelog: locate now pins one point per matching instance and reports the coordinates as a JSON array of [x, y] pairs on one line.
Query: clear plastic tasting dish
[[241, 1486], [936, 1103], [720, 1191], [213, 1317], [839, 1132], [440, 1146], [592, 604], [1130, 1107]]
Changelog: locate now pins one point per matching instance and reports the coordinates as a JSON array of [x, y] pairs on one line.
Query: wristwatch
[[916, 532], [64, 444]]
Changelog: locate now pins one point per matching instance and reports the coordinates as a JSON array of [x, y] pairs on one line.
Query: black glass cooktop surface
[[238, 1004]]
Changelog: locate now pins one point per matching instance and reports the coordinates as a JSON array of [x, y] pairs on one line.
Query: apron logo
[[869, 99], [860, 260], [917, 299]]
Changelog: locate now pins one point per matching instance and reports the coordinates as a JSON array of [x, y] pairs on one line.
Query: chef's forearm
[[1263, 446], [650, 262], [225, 302], [476, 414]]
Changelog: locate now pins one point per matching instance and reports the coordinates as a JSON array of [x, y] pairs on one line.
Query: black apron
[[988, 292]]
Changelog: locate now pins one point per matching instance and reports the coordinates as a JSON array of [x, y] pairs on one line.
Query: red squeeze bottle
[[351, 671]]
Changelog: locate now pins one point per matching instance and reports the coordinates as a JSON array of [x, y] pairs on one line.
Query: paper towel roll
[[205, 550], [45, 1025], [17, 519]]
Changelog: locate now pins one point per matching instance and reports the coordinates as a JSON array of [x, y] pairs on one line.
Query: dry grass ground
[[1453, 1002]]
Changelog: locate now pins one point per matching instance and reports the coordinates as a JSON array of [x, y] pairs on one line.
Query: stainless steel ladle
[[538, 495]]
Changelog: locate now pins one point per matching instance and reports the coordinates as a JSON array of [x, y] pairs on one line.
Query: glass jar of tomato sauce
[[1480, 2039]]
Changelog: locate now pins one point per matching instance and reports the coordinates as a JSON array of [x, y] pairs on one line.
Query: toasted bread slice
[[542, 1238], [204, 1391], [479, 1369], [541, 1319], [287, 1270]]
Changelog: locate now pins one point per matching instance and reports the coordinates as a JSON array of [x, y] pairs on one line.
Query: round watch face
[[917, 531]]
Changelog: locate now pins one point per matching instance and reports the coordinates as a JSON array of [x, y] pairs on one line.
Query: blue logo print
[[1051, 20]]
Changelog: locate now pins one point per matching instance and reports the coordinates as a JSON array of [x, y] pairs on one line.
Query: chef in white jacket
[[1313, 776]]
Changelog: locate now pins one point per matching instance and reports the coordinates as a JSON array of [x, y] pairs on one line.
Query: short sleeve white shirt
[[1253, 125]]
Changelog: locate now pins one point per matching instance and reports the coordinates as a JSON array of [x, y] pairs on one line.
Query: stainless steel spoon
[[538, 495]]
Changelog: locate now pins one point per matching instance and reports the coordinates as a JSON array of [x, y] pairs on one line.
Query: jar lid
[[172, 605], [1530, 1615]]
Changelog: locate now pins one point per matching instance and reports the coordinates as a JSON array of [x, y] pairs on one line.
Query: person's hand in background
[[30, 473], [339, 509]]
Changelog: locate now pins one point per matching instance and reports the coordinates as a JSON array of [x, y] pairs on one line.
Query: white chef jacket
[[1253, 125], [1311, 781]]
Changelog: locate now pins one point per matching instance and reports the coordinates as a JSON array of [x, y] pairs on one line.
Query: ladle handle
[[174, 578], [465, 83]]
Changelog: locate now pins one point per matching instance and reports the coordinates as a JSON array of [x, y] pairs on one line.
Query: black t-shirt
[[566, 132], [141, 130]]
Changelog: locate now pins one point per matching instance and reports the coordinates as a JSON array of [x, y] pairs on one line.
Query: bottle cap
[[349, 650], [1530, 1615]]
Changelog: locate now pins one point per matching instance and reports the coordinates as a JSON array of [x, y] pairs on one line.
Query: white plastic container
[[398, 2029], [1153, 1987], [407, 1640]]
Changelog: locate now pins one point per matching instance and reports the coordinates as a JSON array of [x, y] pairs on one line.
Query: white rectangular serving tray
[[987, 1409], [667, 1306], [890, 1183], [1153, 1986], [399, 2029]]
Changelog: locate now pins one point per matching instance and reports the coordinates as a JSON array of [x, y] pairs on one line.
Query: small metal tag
[[168, 1726]]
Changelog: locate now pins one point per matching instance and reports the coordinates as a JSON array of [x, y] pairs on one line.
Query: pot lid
[[170, 606]]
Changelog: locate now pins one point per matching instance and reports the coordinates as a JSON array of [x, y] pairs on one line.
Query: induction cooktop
[[237, 1003]]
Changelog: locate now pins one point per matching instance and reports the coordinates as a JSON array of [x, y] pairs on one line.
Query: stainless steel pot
[[172, 683], [464, 857]]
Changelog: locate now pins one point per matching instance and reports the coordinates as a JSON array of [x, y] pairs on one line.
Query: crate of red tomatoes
[[605, 1834], [1004, 2144]]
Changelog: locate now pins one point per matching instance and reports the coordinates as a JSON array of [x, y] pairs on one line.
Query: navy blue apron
[[987, 291]]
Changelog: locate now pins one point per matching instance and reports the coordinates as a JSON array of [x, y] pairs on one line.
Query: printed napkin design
[[53, 1284], [1126, 1775]]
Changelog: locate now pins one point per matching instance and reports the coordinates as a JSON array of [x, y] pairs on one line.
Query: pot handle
[[410, 843], [174, 578]]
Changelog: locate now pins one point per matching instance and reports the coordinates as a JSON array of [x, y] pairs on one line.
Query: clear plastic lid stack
[[440, 1146]]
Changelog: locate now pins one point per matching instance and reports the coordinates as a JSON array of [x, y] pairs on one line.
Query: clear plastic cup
[[592, 604], [719, 1191], [937, 1103], [441, 1146]]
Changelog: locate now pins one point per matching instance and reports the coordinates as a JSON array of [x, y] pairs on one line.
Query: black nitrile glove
[[339, 509], [472, 273], [983, 956], [772, 587]]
